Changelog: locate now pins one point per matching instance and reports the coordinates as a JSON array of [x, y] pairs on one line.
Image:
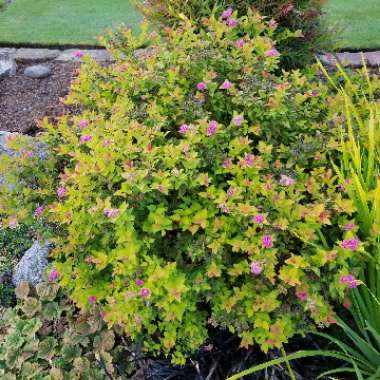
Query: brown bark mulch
[[25, 101]]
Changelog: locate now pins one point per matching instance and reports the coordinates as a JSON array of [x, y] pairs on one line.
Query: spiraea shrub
[[194, 191], [300, 16]]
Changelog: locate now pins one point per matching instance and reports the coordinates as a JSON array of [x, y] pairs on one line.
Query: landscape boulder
[[32, 265], [8, 65], [37, 71]]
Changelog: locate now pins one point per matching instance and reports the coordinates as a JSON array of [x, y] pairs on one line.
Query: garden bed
[[25, 101]]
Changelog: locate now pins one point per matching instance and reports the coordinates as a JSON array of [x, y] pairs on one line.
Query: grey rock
[[353, 60], [327, 59], [373, 58], [4, 136], [10, 52], [37, 71], [100, 55], [144, 53], [32, 265], [8, 65], [38, 147], [30, 54]]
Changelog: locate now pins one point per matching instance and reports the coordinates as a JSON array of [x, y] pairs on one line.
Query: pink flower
[[111, 212], [144, 292], [92, 300], [183, 129], [349, 226], [232, 22], [13, 223], [272, 23], [286, 180], [227, 163], [238, 120], [240, 43], [139, 282], [83, 124], [231, 192], [256, 268], [342, 186], [227, 13], [201, 86], [53, 275], [349, 280], [85, 138], [249, 159], [267, 241], [211, 129], [78, 54], [226, 85], [39, 211], [107, 142], [351, 244], [301, 295], [61, 192], [314, 93], [224, 208], [259, 219], [272, 52]]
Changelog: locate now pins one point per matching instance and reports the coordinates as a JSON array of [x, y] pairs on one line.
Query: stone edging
[[349, 59], [353, 60], [68, 55]]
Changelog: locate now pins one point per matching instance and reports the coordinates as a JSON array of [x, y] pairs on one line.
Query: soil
[[25, 101]]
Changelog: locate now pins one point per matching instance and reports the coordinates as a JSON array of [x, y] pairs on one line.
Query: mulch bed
[[25, 101]]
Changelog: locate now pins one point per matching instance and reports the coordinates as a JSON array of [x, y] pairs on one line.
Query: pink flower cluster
[[272, 52], [85, 138], [78, 54], [301, 295], [259, 219], [349, 280], [240, 43], [39, 211], [226, 16], [83, 124], [111, 212], [286, 180], [267, 241], [53, 275], [349, 226], [224, 208], [211, 129], [201, 86], [238, 120], [226, 85], [183, 129], [351, 244], [227, 163], [256, 268], [61, 192], [144, 292]]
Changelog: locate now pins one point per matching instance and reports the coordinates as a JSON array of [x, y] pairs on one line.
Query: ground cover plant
[[357, 21], [68, 22], [208, 171], [45, 337]]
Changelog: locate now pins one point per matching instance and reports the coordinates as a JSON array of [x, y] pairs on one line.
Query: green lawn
[[50, 22], [359, 20]]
